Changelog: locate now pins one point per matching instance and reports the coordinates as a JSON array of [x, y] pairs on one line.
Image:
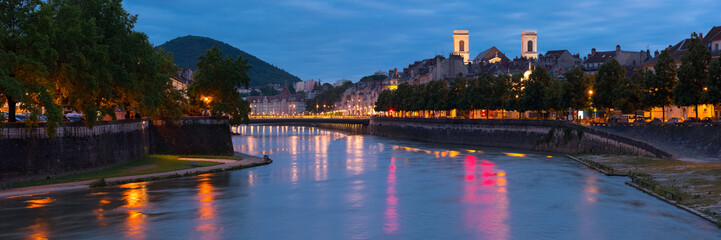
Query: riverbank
[[692, 186], [205, 165]]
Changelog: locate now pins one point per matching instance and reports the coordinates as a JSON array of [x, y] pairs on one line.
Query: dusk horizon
[[351, 39]]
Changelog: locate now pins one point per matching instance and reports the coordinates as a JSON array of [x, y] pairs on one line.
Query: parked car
[[73, 117], [707, 120], [691, 120], [656, 121], [619, 119], [674, 120]]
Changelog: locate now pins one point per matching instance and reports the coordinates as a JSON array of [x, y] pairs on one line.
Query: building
[[281, 104], [491, 55], [529, 42], [449, 68], [713, 41], [628, 59], [305, 86], [559, 61], [360, 99], [461, 45]]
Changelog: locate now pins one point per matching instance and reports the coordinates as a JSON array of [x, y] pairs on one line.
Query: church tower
[[460, 45], [529, 44]]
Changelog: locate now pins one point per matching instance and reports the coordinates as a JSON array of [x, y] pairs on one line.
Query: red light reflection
[[391, 214]]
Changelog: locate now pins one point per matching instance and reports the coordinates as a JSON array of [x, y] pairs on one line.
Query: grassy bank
[[145, 165], [697, 183]]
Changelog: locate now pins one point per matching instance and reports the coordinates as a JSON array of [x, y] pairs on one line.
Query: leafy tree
[[24, 49], [577, 89], [516, 94], [384, 102], [534, 94], [713, 94], [657, 88], [553, 98], [692, 74], [458, 98], [610, 76], [499, 95], [628, 93], [218, 79]]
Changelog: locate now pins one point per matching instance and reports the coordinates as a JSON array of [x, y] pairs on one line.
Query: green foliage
[[576, 89], [24, 50], [187, 50], [713, 83], [326, 98], [373, 78], [535, 93], [218, 79], [268, 90], [692, 73], [628, 93], [611, 76], [657, 88]]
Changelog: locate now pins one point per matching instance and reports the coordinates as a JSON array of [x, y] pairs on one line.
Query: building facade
[[529, 44], [281, 104], [461, 45]]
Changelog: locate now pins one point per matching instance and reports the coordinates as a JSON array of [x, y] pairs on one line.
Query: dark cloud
[[349, 39]]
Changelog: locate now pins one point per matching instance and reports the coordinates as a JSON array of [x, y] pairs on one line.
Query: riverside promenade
[[227, 164]]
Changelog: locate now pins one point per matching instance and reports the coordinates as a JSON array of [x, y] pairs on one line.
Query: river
[[327, 184]]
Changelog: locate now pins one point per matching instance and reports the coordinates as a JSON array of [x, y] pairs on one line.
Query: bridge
[[361, 121]]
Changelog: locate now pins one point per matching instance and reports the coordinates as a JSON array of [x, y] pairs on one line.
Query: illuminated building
[[529, 44]]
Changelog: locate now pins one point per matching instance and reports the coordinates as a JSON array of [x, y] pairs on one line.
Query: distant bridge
[[362, 121]]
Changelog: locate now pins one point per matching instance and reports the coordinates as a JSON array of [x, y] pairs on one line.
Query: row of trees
[[84, 55], [697, 81]]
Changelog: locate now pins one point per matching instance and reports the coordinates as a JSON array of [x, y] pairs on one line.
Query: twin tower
[[528, 44]]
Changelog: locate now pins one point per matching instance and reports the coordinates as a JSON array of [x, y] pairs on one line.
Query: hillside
[[186, 51]]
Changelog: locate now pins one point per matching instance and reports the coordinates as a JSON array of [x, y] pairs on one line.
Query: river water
[[331, 185]]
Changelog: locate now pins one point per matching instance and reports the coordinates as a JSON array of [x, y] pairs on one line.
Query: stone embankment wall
[[191, 135], [552, 136], [29, 153], [698, 141]]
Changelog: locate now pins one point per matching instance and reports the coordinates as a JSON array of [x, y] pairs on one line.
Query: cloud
[[352, 38]]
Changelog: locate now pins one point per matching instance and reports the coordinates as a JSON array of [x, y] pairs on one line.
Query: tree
[[628, 93], [577, 89], [713, 94], [534, 94], [499, 95], [217, 80], [457, 96], [657, 88], [610, 77], [24, 49], [692, 74]]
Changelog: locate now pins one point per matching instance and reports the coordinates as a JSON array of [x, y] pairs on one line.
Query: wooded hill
[[186, 51]]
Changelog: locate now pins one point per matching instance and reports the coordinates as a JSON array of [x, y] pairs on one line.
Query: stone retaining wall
[[552, 136], [29, 153]]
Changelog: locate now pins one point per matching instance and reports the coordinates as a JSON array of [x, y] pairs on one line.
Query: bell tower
[[529, 44], [460, 44]]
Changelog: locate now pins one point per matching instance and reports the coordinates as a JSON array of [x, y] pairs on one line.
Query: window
[[717, 47], [530, 46], [461, 46]]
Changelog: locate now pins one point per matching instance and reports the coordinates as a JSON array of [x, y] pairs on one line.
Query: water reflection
[[207, 210], [39, 202], [486, 196], [136, 199], [330, 185], [391, 213]]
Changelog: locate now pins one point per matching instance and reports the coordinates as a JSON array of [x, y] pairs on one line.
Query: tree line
[[85, 55], [696, 81]]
